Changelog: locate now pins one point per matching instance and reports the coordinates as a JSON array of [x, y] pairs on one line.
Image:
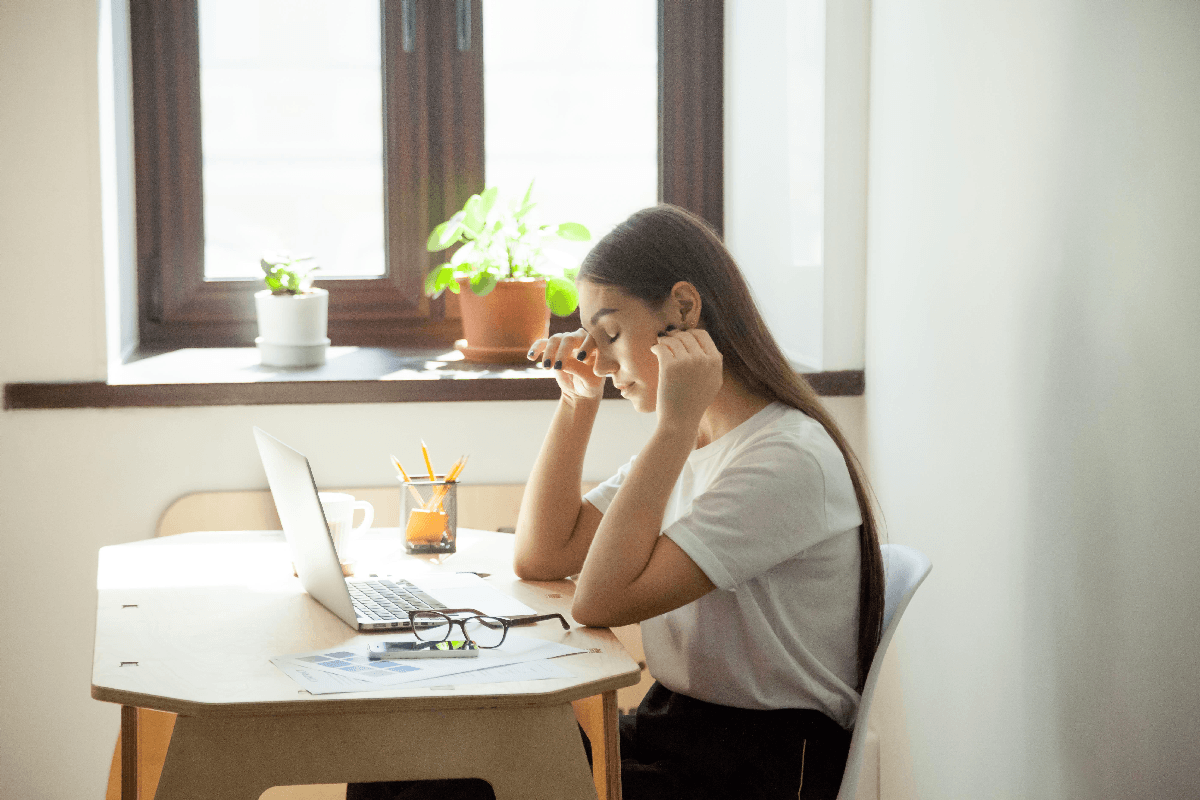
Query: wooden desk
[[188, 623]]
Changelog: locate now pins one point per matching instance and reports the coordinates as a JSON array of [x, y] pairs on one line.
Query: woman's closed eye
[[612, 338]]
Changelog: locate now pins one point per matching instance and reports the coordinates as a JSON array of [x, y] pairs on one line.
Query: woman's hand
[[577, 378], [689, 376]]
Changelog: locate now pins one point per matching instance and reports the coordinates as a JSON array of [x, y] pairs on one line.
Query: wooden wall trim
[[535, 385]]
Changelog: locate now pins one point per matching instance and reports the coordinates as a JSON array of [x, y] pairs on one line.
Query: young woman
[[740, 537]]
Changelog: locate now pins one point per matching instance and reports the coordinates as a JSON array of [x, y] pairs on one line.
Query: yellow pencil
[[443, 488], [428, 463], [416, 495], [457, 470], [439, 494], [403, 474]]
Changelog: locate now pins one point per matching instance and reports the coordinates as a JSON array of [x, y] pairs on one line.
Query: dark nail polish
[[582, 355], [670, 327], [662, 333], [529, 354], [558, 365], [546, 363]]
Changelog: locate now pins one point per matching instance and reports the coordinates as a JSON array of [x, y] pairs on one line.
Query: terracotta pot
[[500, 326]]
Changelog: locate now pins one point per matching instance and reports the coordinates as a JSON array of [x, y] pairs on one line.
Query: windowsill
[[234, 377]]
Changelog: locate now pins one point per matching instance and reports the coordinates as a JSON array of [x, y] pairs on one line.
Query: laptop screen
[[295, 495]]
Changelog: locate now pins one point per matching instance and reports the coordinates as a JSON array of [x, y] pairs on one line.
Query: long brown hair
[[646, 255]]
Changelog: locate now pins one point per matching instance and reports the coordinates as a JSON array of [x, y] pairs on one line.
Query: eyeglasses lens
[[485, 631], [431, 626]]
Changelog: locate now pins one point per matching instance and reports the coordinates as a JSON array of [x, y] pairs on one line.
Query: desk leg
[[150, 749], [597, 716], [524, 753], [129, 753]]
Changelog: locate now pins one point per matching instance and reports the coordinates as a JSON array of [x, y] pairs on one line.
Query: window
[[570, 99], [211, 195]]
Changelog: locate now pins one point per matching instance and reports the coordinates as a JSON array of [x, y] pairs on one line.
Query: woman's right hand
[[560, 352]]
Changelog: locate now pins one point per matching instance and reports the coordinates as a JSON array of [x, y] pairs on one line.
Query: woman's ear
[[686, 301]]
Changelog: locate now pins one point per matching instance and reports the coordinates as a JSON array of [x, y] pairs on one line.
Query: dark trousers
[[676, 747]]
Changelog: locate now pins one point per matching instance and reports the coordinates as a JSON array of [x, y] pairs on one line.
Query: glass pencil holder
[[429, 515]]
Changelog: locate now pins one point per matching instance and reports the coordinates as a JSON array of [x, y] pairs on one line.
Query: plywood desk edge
[[359, 702]]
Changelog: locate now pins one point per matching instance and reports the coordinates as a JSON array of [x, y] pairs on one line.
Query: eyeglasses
[[485, 631]]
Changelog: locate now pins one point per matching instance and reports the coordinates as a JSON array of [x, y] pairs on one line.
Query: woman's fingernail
[[582, 355], [662, 333], [546, 363], [670, 327], [530, 354], [558, 365]]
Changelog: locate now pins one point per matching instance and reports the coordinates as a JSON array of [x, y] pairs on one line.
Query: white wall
[[74, 481], [1033, 296]]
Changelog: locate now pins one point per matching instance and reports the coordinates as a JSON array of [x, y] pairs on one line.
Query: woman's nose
[[603, 366]]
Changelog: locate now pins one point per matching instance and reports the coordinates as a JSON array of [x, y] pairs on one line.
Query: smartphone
[[451, 648]]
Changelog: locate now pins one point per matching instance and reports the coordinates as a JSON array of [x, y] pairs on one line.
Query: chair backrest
[[904, 569]]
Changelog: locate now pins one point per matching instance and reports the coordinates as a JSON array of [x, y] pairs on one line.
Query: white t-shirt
[[769, 514]]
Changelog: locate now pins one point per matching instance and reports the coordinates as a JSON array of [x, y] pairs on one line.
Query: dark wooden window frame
[[434, 160], [176, 308], [433, 112]]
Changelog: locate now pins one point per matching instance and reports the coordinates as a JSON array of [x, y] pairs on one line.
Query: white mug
[[339, 515]]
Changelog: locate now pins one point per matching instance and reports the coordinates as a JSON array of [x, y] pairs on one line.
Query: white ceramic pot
[[292, 328]]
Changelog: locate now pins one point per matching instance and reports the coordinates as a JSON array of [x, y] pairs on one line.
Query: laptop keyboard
[[387, 600]]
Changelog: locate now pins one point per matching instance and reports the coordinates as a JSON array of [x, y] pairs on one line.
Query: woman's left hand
[[689, 376]]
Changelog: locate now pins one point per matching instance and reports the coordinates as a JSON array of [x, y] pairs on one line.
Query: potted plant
[[513, 285], [293, 316]]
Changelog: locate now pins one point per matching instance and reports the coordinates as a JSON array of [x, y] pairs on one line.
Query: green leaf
[[444, 235], [527, 203], [439, 280], [431, 282], [561, 296], [483, 284], [488, 199], [467, 255], [473, 213], [445, 276], [574, 232], [570, 273]]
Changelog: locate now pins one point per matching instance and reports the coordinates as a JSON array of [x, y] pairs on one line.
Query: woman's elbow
[[584, 614], [587, 611], [530, 569]]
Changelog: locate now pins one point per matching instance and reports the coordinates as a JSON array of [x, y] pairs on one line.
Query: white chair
[[904, 569]]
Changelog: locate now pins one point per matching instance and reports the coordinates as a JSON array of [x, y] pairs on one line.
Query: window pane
[[571, 101], [292, 131]]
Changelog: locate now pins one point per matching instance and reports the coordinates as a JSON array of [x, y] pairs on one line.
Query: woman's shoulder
[[794, 447], [791, 428]]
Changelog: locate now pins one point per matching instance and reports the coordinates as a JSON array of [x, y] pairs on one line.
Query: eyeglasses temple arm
[[515, 621]]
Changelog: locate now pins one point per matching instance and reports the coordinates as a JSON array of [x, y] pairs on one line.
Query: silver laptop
[[375, 603]]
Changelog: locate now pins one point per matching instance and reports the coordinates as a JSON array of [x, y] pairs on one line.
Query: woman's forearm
[[629, 531], [551, 504]]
